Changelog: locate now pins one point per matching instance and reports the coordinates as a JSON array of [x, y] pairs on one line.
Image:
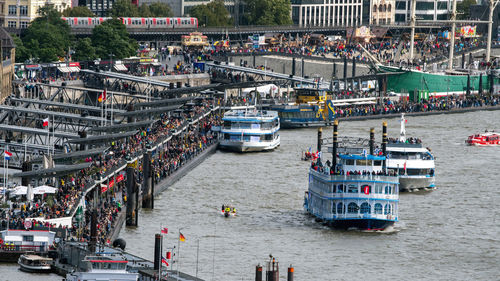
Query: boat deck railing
[[251, 113], [356, 178]]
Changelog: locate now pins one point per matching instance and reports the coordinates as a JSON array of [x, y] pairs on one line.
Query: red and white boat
[[486, 139]]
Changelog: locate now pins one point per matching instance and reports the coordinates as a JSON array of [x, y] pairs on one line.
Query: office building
[[327, 12]]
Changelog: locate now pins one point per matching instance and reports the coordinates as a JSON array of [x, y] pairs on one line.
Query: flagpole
[[111, 109], [161, 255], [105, 111], [53, 136], [178, 253], [7, 181], [48, 139], [25, 147], [197, 256], [4, 190]]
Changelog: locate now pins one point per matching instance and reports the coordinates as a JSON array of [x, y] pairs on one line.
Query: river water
[[450, 233]]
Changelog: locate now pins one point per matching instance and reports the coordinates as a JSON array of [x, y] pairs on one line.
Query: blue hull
[[363, 224]]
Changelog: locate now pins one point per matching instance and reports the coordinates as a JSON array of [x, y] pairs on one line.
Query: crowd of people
[[389, 106], [181, 148]]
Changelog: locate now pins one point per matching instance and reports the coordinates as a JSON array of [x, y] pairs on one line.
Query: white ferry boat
[[413, 162], [250, 130], [358, 192], [106, 267], [34, 263]]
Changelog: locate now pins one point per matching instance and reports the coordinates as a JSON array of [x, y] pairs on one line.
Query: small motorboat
[[34, 263], [308, 156], [228, 211], [486, 139]]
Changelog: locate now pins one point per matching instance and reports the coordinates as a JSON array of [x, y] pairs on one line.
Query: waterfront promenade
[[177, 140]]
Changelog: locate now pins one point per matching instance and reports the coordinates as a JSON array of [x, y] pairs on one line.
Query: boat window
[[227, 124], [28, 238], [364, 162], [226, 136], [349, 162], [352, 208], [416, 172], [378, 208], [334, 189], [266, 137], [266, 126], [378, 189], [366, 208], [377, 163], [334, 209], [340, 208], [352, 188], [341, 188], [388, 189], [387, 209]]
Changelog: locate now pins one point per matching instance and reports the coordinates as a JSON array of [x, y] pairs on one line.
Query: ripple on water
[[450, 233]]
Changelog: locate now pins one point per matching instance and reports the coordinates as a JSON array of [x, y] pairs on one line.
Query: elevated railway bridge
[[240, 33]]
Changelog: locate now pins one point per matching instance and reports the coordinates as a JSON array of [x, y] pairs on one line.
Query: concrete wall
[[311, 68]]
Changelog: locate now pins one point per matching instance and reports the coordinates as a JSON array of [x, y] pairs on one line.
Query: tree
[[211, 14], [144, 11], [268, 12], [48, 36], [124, 8], [111, 37], [78, 11], [84, 50], [463, 9], [22, 53], [159, 9]]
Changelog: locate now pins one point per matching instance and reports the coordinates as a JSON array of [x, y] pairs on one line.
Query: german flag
[[102, 96], [181, 237]]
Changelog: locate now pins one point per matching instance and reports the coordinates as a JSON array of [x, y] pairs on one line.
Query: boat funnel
[[372, 141], [384, 137]]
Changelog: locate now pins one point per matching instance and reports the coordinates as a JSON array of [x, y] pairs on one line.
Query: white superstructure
[[250, 130], [414, 163], [108, 267]]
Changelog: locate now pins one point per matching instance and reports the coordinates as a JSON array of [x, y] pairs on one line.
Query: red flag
[[164, 230], [163, 260], [45, 122]]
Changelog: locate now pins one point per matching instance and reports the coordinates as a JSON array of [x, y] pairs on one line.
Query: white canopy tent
[[42, 189], [20, 190]]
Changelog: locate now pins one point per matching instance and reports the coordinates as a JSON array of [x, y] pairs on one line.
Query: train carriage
[[147, 23]]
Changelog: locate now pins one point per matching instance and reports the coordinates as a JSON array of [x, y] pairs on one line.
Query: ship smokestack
[[335, 144], [372, 141], [384, 137], [320, 135]]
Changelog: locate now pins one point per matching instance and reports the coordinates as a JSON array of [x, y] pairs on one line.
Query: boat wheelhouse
[[486, 139], [312, 108], [104, 267], [358, 192], [411, 160], [250, 130]]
